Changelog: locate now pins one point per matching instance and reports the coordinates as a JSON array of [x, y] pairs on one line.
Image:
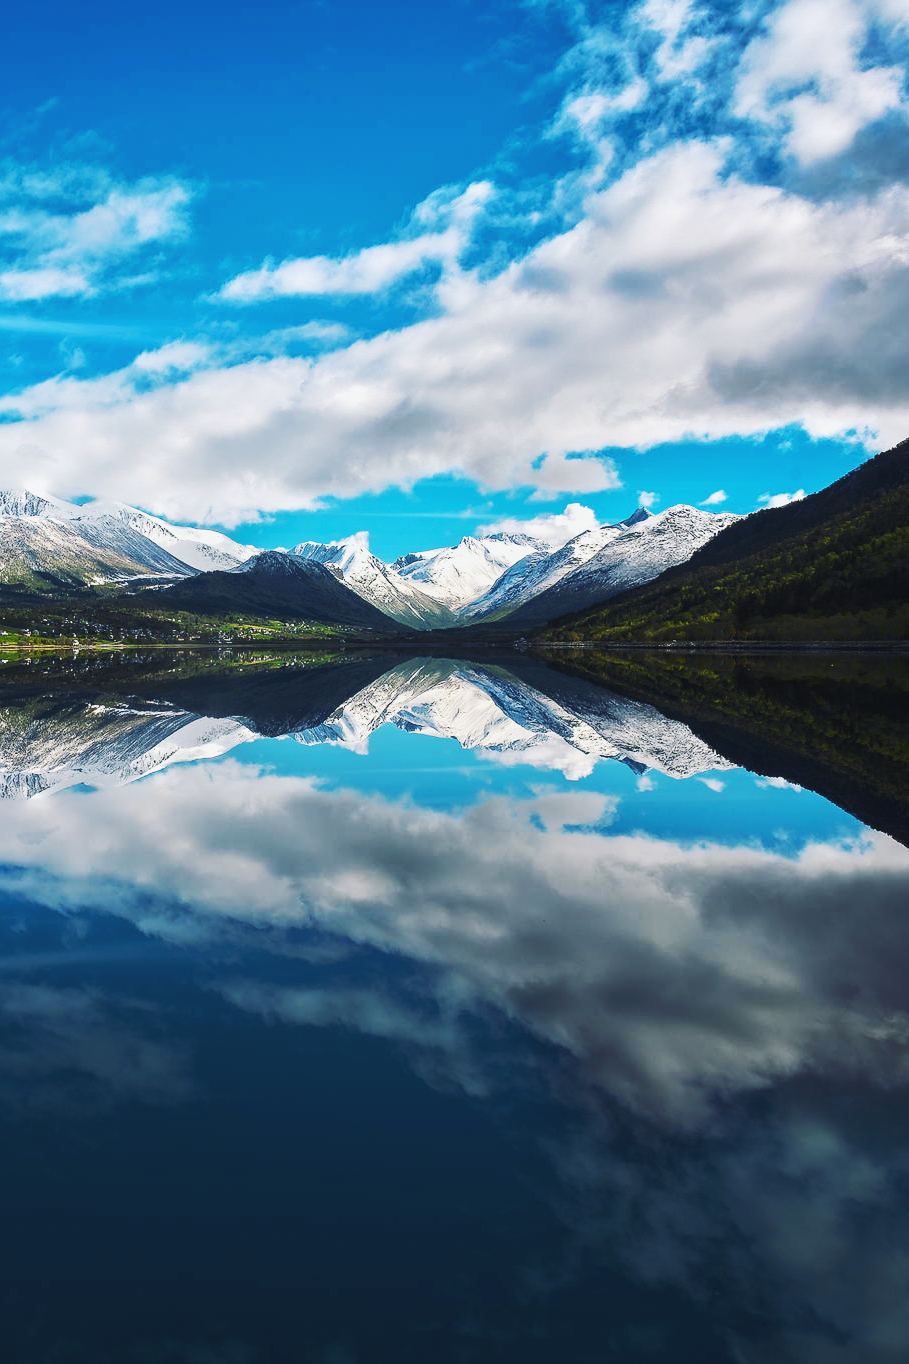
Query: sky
[[422, 271]]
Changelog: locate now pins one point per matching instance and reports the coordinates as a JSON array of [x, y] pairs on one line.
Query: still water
[[403, 1010]]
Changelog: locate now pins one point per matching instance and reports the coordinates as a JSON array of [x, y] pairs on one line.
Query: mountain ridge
[[277, 585], [834, 565]]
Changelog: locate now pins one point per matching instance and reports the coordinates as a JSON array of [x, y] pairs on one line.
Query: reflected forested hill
[[837, 723]]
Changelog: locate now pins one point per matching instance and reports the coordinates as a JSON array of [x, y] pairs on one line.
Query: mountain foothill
[[834, 565]]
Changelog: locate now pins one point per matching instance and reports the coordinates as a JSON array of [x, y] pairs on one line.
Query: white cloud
[[366, 272], [807, 74], [714, 499], [176, 356], [71, 251], [713, 783], [680, 53], [555, 528], [586, 115], [321, 334], [373, 268], [646, 499], [29, 285], [781, 499], [723, 307]]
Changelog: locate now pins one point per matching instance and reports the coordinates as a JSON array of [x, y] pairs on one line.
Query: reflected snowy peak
[[52, 741], [48, 744], [490, 708]]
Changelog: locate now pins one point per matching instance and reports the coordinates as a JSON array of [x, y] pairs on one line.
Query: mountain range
[[49, 547]]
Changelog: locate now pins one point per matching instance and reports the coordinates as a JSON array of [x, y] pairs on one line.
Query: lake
[[379, 1009]]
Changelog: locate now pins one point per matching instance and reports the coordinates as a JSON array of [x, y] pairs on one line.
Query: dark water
[[405, 1010]]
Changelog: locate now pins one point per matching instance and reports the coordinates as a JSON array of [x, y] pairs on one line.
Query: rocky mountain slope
[[41, 554], [48, 544], [195, 546], [543, 568]]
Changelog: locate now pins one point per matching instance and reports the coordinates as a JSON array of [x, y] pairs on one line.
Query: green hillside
[[834, 566]]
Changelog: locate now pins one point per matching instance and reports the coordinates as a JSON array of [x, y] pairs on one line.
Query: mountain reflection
[[52, 739], [600, 1090]]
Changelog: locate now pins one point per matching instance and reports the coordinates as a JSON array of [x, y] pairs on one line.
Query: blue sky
[[325, 267]]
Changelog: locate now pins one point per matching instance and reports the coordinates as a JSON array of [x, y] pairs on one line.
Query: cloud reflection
[[674, 974]]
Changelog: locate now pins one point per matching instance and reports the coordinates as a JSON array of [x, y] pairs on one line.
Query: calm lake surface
[[390, 1010]]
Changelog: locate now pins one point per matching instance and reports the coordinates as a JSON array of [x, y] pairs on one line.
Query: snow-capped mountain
[[457, 575], [489, 708], [621, 557], [195, 546], [47, 543], [377, 582], [543, 568], [20, 502], [40, 552], [45, 540]]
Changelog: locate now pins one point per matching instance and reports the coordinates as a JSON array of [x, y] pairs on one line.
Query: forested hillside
[[834, 566]]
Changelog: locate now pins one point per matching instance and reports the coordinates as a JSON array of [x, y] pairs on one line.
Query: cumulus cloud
[[671, 973], [714, 499], [78, 249], [646, 499], [680, 52], [718, 302], [680, 301], [809, 74], [373, 268], [781, 499], [176, 357], [553, 528]]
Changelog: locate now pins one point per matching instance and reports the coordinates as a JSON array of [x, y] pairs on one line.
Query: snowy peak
[[47, 543], [150, 544], [41, 552], [640, 514], [20, 502], [458, 574], [344, 554], [195, 546], [490, 709], [624, 557], [377, 582]]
